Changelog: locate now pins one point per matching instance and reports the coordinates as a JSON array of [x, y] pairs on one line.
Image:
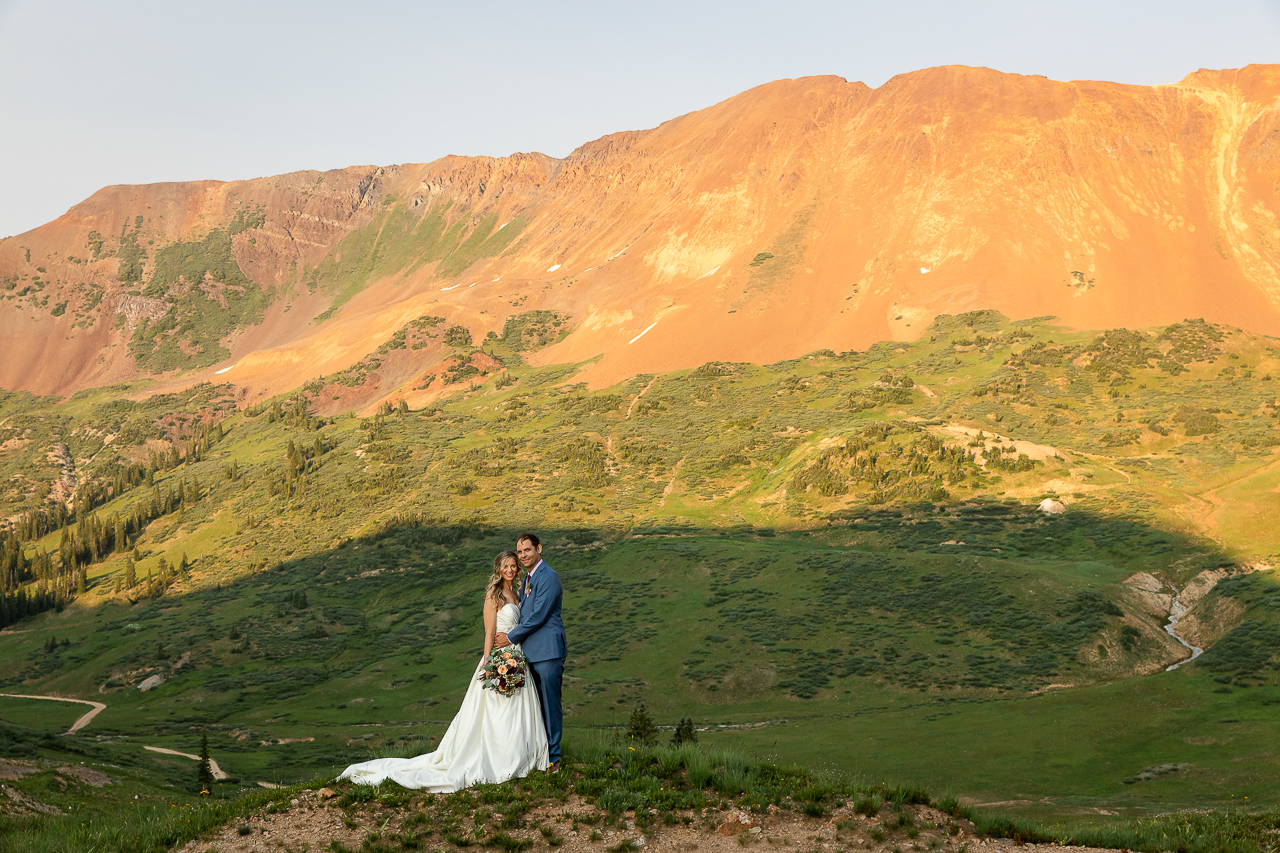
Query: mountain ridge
[[799, 215]]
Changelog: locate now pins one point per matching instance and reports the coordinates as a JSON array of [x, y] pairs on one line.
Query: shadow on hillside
[[440, 569], [412, 591], [400, 608]]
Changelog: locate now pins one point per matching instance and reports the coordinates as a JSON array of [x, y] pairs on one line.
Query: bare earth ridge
[[313, 821], [800, 215]]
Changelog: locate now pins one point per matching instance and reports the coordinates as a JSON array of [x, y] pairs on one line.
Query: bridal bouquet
[[504, 670]]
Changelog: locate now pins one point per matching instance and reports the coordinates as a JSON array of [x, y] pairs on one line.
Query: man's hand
[[501, 640]]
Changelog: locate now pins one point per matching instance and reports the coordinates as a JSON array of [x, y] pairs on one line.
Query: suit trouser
[[548, 677]]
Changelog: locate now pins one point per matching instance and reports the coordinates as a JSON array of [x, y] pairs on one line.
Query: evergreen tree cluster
[[92, 539], [89, 495], [25, 602], [296, 413], [157, 582], [917, 469], [685, 732], [188, 452], [50, 583], [300, 460], [642, 731], [117, 479]]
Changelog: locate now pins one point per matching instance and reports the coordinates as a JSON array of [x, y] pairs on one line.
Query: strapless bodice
[[508, 617]]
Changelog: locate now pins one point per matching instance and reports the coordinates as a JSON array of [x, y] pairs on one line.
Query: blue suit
[[541, 636]]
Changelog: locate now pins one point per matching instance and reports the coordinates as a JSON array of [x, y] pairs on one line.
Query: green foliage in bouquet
[[504, 671]]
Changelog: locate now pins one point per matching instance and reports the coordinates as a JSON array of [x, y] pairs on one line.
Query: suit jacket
[[541, 632]]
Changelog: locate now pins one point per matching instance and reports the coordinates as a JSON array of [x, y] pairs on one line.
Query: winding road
[[218, 773], [79, 724]]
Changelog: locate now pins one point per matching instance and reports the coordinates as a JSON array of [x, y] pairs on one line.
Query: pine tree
[[640, 727], [130, 573], [685, 732], [204, 776]]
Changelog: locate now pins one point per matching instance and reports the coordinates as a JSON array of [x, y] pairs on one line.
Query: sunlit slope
[[800, 215]]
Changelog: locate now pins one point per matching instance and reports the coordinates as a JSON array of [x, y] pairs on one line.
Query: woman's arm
[[490, 624]]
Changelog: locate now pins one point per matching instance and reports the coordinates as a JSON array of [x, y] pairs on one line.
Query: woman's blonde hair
[[494, 589]]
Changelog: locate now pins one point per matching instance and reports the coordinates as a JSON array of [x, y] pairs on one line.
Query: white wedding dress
[[492, 739]]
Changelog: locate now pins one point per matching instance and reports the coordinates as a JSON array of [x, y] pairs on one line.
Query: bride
[[493, 737]]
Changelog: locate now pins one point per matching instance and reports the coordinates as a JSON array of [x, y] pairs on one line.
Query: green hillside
[[837, 560]]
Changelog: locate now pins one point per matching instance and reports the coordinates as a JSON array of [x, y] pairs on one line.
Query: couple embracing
[[499, 735]]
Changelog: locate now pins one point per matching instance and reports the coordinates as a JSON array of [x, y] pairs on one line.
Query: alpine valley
[[881, 431]]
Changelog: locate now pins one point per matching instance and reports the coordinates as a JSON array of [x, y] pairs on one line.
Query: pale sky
[[95, 93]]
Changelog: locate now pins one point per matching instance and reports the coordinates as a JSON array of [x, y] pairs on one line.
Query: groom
[[541, 636]]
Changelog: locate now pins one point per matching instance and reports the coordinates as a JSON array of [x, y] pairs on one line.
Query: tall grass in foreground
[[621, 777], [1184, 832], [133, 829], [1178, 832], [656, 785]]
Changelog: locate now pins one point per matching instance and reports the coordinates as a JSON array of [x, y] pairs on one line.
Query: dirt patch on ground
[[281, 741], [20, 804], [89, 776], [13, 769], [314, 821], [14, 444]]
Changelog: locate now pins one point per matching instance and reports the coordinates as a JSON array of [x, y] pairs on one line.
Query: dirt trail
[[671, 484], [63, 489], [1210, 503], [637, 397], [1201, 514], [1105, 462], [218, 773], [79, 724]]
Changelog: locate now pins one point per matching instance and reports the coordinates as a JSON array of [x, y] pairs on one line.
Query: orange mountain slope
[[800, 215]]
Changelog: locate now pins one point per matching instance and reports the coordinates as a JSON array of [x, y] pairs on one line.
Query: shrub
[[458, 336], [685, 732]]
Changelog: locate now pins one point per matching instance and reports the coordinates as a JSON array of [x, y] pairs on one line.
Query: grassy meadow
[[836, 560]]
